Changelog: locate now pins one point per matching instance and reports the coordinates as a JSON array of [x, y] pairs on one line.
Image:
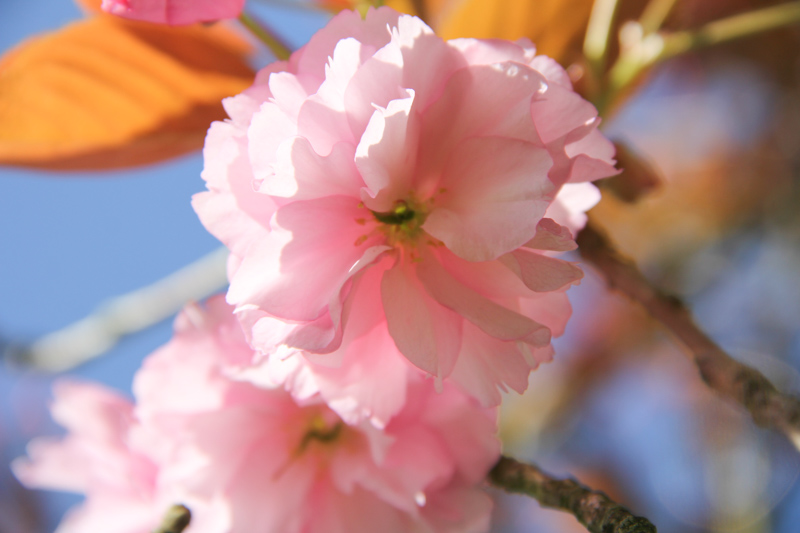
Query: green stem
[[655, 14], [731, 28], [595, 45], [654, 48], [633, 61], [264, 34]]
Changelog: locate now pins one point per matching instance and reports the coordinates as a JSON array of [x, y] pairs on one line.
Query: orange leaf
[[109, 93], [555, 26], [90, 6]]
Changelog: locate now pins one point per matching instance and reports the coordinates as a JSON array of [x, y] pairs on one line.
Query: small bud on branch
[[592, 508], [176, 520]]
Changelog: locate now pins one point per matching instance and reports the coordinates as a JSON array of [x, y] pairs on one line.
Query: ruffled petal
[[494, 192], [551, 236], [371, 31], [495, 320], [487, 366], [304, 262], [383, 78], [270, 127], [428, 334], [302, 174], [469, 106], [541, 273], [558, 111], [386, 155], [570, 205]]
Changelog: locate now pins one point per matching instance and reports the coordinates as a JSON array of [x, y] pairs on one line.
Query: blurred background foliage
[[708, 207]]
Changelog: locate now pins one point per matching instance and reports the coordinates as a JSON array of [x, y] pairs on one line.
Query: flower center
[[320, 431], [401, 214], [403, 224]]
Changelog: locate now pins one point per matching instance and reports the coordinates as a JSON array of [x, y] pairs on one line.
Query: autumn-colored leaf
[[90, 6], [110, 93], [556, 26]]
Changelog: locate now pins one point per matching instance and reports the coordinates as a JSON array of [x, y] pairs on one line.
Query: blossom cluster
[[394, 205], [245, 458]]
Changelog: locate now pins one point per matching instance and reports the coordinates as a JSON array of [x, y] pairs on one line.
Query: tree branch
[[266, 35], [129, 313], [655, 13], [767, 405], [592, 508], [175, 520]]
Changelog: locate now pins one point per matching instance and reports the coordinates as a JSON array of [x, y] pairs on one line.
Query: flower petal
[[559, 111], [371, 31], [571, 203], [386, 155], [270, 127], [494, 192], [469, 106], [302, 174], [551, 236], [541, 273], [296, 271], [428, 334], [494, 319]]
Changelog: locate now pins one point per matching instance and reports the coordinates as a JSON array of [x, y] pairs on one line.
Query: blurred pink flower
[[175, 12], [98, 458], [245, 459], [381, 150]]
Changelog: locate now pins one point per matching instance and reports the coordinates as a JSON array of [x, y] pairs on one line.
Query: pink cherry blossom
[[98, 459], [174, 12], [245, 458], [383, 164]]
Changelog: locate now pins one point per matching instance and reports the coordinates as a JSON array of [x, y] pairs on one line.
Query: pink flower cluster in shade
[[247, 459], [387, 195], [174, 12]]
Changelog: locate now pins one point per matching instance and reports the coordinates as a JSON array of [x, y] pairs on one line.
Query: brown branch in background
[[421, 10], [639, 177], [768, 406], [592, 508], [175, 520]]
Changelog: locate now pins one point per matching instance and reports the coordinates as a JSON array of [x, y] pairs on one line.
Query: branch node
[[176, 520], [592, 508]]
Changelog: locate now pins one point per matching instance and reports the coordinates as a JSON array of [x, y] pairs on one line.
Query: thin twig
[[132, 312], [656, 47], [655, 14], [598, 32], [767, 405], [175, 520], [731, 28], [265, 34], [592, 508]]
